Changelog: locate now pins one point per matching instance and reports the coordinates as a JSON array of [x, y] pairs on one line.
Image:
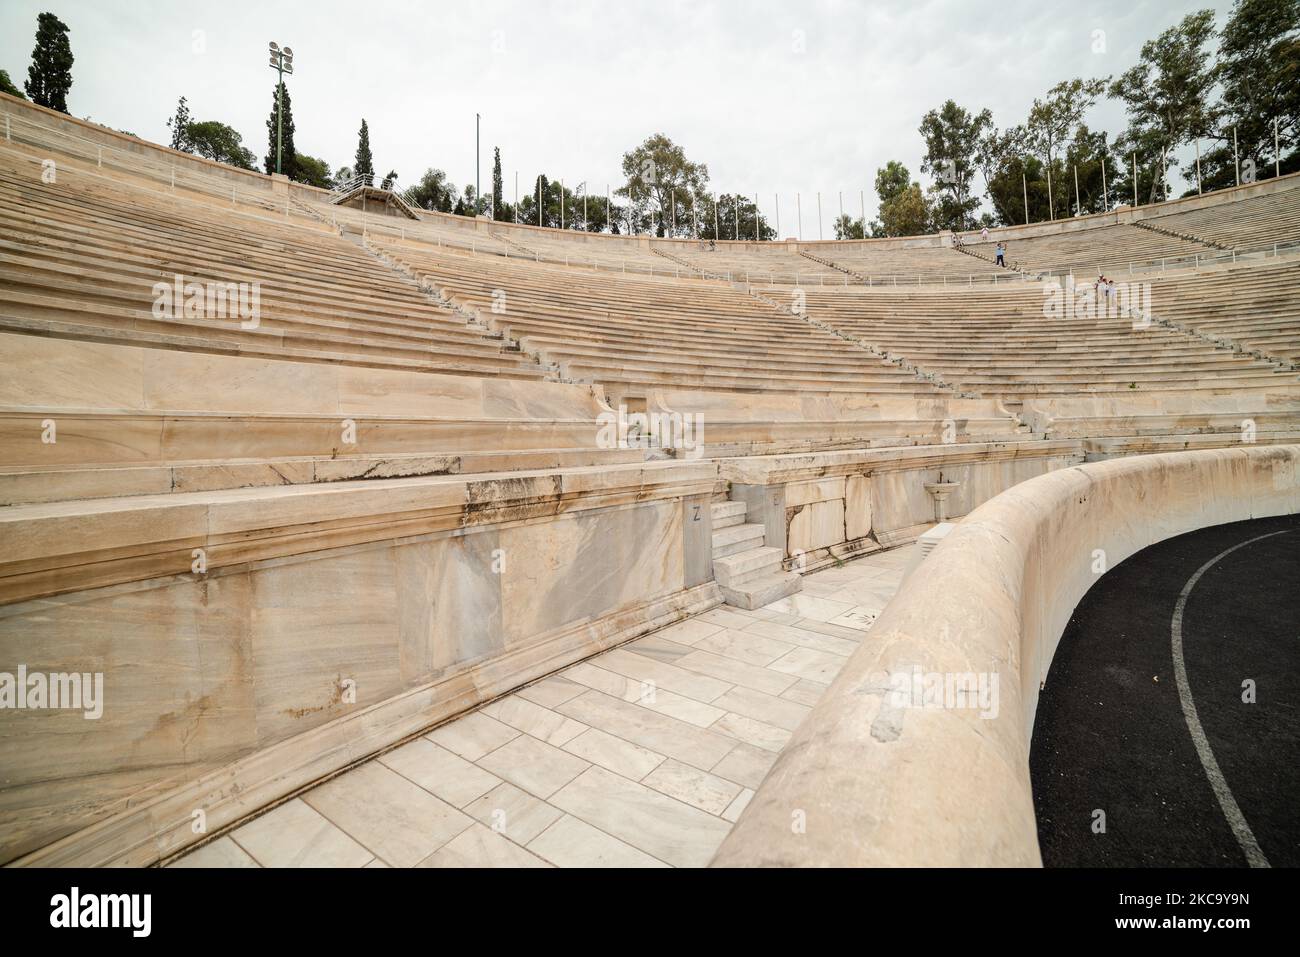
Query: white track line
[[1231, 810]]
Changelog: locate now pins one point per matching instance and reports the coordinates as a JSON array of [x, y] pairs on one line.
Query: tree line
[[1180, 94], [1232, 102]]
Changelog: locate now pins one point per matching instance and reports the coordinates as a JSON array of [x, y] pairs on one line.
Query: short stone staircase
[[966, 250], [501, 237], [688, 265], [746, 569], [1150, 227], [833, 265]]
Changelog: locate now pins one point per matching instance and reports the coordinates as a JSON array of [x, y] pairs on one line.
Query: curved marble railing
[[881, 773]]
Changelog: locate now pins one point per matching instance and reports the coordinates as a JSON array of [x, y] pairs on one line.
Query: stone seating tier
[[637, 332], [1253, 223], [1087, 252], [78, 257]]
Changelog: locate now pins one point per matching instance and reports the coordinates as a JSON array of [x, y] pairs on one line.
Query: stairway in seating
[[1150, 227], [746, 569], [833, 265]]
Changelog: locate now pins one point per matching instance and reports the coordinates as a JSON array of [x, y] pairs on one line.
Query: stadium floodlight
[[282, 62]]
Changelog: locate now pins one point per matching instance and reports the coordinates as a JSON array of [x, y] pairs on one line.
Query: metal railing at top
[[138, 170], [492, 246], [1195, 261], [253, 190], [348, 185]]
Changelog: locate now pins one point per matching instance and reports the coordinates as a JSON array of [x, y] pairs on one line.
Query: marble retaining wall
[[828, 506], [225, 691], [867, 781]]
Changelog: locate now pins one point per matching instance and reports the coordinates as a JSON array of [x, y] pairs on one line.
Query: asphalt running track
[[1189, 776]]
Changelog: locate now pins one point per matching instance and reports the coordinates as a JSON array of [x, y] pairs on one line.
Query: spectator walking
[[984, 235], [1002, 255]]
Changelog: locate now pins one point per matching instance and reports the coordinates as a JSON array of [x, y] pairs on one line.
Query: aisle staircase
[[747, 570]]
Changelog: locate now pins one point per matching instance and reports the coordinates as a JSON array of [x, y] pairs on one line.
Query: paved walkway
[[643, 756]]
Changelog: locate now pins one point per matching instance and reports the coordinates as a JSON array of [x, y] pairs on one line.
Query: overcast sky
[[774, 97]]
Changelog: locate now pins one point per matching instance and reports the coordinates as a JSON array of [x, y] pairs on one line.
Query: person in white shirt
[[984, 234]]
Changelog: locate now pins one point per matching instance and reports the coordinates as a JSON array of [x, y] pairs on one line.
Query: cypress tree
[[498, 207], [288, 155], [364, 166], [50, 76], [180, 127]]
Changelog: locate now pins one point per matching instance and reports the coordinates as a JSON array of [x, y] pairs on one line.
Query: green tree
[[1001, 158], [7, 86], [180, 127], [846, 227], [468, 202], [433, 191], [288, 155], [1052, 123], [733, 214], [891, 179], [661, 182], [908, 213], [952, 142], [1258, 72], [219, 142], [1084, 157], [544, 204], [313, 171], [1167, 94], [364, 164], [49, 78], [499, 211]]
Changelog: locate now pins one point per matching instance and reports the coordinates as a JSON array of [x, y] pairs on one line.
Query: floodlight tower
[[282, 63]]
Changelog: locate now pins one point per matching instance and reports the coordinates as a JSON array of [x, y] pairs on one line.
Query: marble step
[[757, 592], [737, 538], [726, 514], [732, 570]]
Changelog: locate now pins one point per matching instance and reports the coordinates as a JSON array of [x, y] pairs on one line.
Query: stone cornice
[[71, 546], [777, 469]]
